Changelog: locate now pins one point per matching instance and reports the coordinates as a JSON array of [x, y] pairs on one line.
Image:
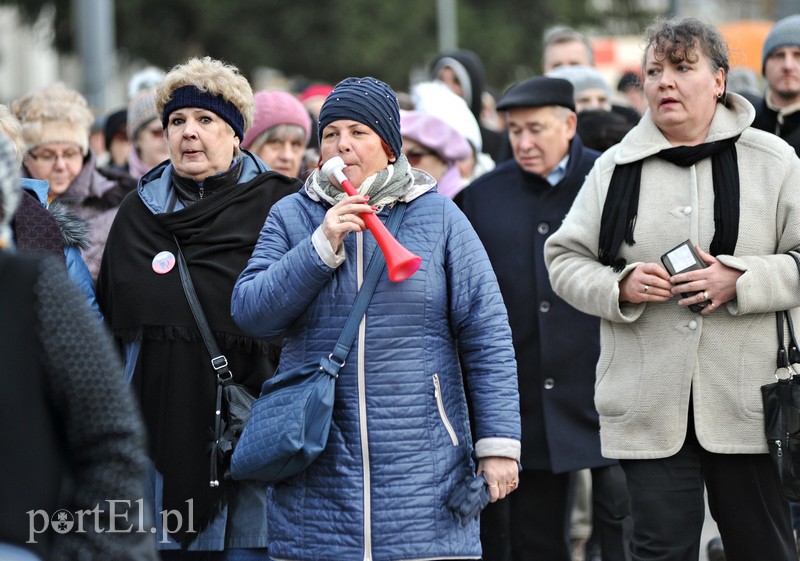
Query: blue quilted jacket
[[401, 439]]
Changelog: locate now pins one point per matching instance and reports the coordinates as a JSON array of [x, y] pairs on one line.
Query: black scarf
[[622, 201], [173, 375], [190, 191]]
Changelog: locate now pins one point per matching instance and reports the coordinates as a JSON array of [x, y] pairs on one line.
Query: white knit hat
[[435, 98], [55, 114]]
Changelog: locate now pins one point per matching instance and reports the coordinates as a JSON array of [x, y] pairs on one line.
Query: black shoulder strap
[[218, 361], [787, 357]]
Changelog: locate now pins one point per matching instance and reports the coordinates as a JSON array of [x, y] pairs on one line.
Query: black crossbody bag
[[233, 401]]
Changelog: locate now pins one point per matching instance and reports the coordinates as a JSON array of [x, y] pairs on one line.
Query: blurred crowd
[[94, 190]]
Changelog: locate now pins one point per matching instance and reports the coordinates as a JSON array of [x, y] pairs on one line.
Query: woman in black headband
[[685, 347], [212, 198]]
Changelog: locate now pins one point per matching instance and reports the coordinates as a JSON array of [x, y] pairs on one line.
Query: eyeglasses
[[415, 156], [49, 158]]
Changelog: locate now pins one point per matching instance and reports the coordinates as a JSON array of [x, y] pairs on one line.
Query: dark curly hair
[[680, 39]]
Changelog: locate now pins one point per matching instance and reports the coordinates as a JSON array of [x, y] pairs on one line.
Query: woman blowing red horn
[[400, 443], [400, 262]]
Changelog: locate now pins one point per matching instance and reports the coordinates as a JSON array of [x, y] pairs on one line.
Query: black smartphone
[[683, 258]]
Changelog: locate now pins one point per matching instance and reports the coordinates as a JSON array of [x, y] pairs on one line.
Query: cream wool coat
[[653, 356]]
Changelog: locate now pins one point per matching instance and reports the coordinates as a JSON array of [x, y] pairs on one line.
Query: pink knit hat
[[276, 108]]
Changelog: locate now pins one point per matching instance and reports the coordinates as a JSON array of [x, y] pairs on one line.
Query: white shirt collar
[[558, 173]]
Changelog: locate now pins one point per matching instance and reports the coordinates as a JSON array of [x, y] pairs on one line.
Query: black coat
[[767, 120], [172, 374], [72, 439], [514, 212]]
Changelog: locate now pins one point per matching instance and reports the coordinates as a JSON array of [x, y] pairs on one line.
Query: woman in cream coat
[[678, 391]]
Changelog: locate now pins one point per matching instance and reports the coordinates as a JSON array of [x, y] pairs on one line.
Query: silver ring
[[341, 218], [705, 295], [646, 289]]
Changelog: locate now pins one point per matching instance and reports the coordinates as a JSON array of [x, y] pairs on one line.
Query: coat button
[[544, 306], [543, 227], [693, 325], [549, 383], [687, 210]]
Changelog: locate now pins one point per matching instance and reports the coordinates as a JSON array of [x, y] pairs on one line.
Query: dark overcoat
[[514, 212]]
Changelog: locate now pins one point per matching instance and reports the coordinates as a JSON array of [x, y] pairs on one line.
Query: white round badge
[[163, 262]]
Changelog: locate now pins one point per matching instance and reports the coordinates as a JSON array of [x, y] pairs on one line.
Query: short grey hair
[[563, 34]]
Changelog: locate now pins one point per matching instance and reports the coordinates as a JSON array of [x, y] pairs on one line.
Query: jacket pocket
[[437, 392]]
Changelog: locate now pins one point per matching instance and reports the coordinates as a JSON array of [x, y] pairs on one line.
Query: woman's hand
[[648, 282], [344, 217], [502, 475], [716, 283]]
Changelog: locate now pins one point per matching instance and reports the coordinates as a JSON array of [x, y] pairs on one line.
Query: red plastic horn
[[400, 262]]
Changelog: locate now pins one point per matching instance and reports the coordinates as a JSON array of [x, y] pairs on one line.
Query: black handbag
[[781, 401], [233, 401], [291, 420]]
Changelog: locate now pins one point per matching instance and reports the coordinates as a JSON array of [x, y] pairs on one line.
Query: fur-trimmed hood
[[73, 229]]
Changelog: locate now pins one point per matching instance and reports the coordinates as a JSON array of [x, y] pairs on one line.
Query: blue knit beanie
[[190, 96], [785, 32], [368, 101]]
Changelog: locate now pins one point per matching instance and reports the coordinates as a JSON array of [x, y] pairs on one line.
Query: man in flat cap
[[514, 209], [779, 111]]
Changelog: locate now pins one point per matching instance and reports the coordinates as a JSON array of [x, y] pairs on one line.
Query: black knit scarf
[[622, 201], [173, 375]]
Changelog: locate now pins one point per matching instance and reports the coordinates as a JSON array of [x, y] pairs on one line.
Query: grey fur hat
[[785, 32], [56, 113]]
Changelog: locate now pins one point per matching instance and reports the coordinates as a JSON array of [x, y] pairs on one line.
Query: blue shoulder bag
[[289, 423]]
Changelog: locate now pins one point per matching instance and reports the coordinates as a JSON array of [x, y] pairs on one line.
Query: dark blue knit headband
[[190, 96]]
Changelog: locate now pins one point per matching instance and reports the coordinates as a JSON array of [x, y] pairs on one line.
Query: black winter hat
[[539, 91], [368, 101], [115, 123]]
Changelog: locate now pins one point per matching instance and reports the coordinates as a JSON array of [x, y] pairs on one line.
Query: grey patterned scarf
[[386, 187]]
